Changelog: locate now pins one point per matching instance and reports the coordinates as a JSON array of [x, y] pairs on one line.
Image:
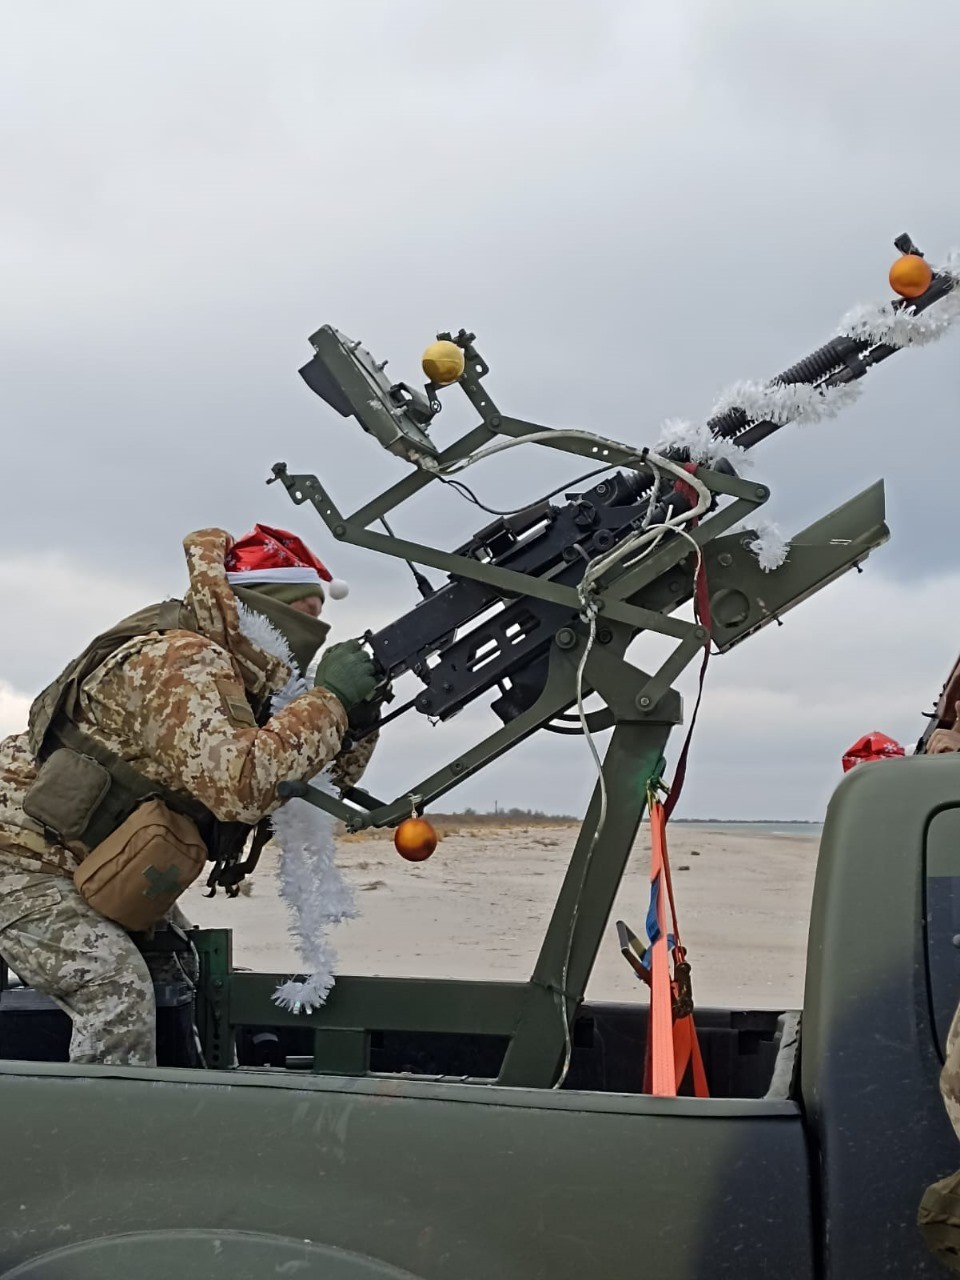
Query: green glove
[[348, 672]]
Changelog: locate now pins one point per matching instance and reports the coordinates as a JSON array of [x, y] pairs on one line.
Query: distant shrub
[[449, 824]]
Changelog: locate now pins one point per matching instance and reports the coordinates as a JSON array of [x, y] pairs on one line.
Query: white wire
[[697, 549], [565, 433], [647, 535], [638, 545], [654, 496], [590, 609]]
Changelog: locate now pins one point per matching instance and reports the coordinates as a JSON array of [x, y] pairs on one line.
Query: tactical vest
[[52, 725]]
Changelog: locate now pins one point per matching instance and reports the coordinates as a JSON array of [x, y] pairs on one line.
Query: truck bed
[[747, 1054]]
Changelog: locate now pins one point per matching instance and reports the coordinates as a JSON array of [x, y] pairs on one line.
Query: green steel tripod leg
[[583, 908]]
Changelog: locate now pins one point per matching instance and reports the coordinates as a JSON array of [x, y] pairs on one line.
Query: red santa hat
[[273, 555]]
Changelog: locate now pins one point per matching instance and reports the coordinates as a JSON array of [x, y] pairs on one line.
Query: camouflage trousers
[[939, 1214], [60, 946], [950, 1075]]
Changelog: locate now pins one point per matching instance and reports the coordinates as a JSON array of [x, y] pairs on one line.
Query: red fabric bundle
[[873, 746]]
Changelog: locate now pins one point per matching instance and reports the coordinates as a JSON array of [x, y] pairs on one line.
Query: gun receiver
[[555, 543]]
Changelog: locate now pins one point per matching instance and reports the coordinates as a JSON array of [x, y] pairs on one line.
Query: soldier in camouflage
[[939, 1212], [186, 710], [943, 742]]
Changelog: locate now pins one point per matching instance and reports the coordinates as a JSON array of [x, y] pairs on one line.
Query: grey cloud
[[631, 206]]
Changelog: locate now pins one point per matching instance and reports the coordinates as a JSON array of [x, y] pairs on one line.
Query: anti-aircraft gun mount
[[542, 606], [511, 615], [407, 1129]]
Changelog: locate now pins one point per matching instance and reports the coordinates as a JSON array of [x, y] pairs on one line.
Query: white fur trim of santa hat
[[335, 588], [299, 573]]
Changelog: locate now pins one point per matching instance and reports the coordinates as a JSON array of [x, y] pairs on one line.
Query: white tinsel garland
[[769, 546], [311, 884], [786, 402], [798, 402], [878, 322], [700, 443]]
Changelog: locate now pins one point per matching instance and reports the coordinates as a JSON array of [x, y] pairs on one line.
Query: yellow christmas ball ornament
[[910, 276], [443, 363]]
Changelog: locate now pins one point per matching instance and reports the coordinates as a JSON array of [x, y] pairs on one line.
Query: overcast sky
[[631, 204]]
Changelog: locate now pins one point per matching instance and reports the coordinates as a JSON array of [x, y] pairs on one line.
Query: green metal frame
[[632, 598], [641, 708]]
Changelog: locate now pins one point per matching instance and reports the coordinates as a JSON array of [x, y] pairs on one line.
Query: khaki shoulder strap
[[59, 699]]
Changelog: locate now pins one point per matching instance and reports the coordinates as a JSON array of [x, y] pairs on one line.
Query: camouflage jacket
[[175, 707]]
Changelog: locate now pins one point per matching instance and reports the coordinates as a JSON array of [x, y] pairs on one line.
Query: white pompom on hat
[[273, 555]]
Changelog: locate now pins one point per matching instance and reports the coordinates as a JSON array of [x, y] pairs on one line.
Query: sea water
[[814, 829]]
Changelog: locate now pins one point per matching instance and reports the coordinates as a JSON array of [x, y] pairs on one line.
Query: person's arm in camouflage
[[179, 701], [350, 764]]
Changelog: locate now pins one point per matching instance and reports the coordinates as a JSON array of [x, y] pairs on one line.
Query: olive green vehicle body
[[247, 1173]]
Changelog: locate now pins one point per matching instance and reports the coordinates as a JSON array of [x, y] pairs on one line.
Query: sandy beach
[[479, 907]]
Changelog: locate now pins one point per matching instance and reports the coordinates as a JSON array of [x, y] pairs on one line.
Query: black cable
[[466, 492], [424, 585]]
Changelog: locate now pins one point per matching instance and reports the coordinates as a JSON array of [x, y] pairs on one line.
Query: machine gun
[[542, 605], [397, 1162], [513, 616]]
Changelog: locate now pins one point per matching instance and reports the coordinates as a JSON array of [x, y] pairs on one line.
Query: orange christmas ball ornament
[[415, 839], [910, 276]]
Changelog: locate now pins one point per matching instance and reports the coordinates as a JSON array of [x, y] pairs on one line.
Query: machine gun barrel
[[843, 359]]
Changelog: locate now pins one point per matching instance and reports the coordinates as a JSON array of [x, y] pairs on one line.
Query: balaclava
[[269, 570]]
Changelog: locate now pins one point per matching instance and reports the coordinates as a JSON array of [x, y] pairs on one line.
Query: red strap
[[687, 1050], [687, 490], [702, 609], [673, 1046], [699, 1071]]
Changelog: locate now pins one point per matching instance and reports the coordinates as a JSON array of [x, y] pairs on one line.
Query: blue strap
[[652, 920]]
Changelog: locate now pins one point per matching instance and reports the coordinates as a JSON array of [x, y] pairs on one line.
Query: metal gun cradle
[[510, 621]]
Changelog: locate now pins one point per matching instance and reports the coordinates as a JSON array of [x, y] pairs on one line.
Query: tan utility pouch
[[136, 875], [67, 793]]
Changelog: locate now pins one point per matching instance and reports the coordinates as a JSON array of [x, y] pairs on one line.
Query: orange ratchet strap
[[672, 1044]]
